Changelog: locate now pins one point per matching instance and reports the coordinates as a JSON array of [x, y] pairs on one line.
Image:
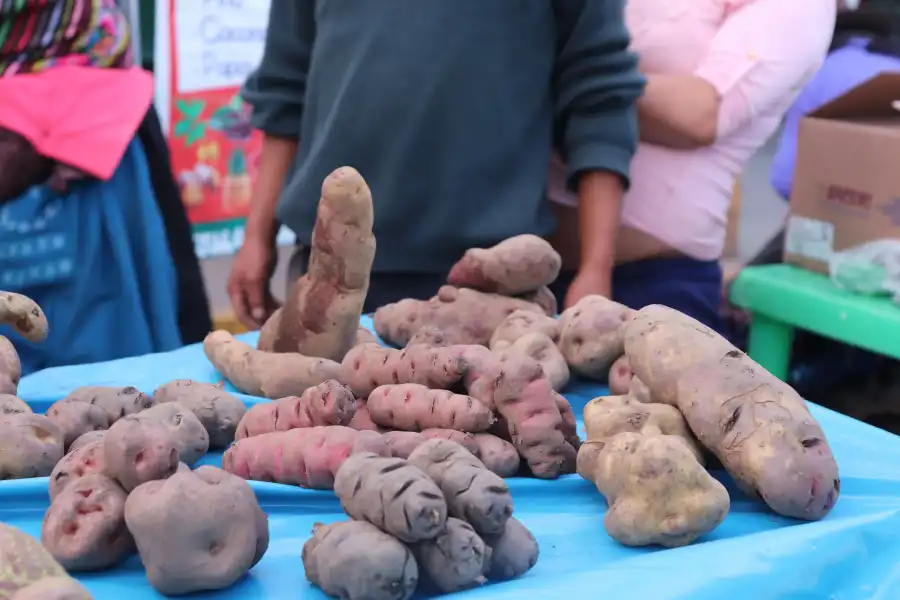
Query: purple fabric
[[843, 70]]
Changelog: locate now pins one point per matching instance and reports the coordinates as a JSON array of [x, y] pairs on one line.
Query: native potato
[[31, 446], [197, 531], [84, 528], [218, 411], [393, 495], [756, 425], [656, 490], [321, 313], [267, 374], [328, 403], [308, 457], [354, 560], [591, 335]]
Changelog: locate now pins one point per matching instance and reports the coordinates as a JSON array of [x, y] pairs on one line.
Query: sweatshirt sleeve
[[276, 88], [596, 85]]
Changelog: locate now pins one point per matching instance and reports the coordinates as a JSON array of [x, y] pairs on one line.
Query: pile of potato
[[333, 381], [438, 521], [482, 363], [202, 416], [129, 488], [684, 396]]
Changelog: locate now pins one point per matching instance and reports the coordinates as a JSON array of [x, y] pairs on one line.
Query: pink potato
[[197, 531], [370, 365], [328, 403], [362, 420], [137, 450], [308, 457], [462, 315], [77, 418], [517, 265], [515, 385], [570, 425], [414, 407], [78, 463], [84, 528], [31, 446]]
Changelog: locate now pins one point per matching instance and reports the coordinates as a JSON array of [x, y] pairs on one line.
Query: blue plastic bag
[[98, 263]]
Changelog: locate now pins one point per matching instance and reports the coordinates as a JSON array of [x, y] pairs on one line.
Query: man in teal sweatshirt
[[449, 109]]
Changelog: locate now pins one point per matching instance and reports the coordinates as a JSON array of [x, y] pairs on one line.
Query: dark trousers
[[691, 286]]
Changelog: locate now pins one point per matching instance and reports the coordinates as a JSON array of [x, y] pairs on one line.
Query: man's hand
[[590, 280], [248, 283]]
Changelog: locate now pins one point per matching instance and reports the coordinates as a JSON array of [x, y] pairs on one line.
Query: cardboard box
[[846, 188]]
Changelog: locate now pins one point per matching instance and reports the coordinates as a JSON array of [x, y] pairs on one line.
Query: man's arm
[[596, 84], [276, 92], [758, 57]]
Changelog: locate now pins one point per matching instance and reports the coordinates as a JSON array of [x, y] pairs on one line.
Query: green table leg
[[770, 343]]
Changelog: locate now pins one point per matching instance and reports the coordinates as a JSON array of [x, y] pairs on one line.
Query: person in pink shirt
[[720, 76]]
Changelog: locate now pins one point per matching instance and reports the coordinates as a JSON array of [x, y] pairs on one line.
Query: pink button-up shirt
[[758, 54]]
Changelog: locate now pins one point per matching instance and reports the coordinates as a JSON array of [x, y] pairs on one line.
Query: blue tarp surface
[[853, 554]]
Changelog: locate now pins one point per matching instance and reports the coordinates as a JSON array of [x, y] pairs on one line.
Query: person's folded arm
[[596, 85], [276, 91], [765, 50]]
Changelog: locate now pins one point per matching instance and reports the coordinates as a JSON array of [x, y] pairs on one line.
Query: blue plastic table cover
[[853, 554]]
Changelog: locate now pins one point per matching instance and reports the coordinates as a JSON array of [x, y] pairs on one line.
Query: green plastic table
[[784, 298]]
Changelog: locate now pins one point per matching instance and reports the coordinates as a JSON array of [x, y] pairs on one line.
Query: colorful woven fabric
[[38, 34]]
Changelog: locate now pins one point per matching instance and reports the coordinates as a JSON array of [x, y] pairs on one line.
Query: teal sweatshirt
[[449, 109]]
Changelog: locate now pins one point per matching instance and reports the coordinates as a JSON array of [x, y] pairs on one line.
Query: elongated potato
[[267, 374], [328, 403], [520, 323], [308, 457], [517, 265], [414, 407], [321, 313], [756, 425], [354, 560], [462, 315], [393, 495]]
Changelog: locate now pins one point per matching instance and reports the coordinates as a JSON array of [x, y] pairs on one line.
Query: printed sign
[[204, 51]]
